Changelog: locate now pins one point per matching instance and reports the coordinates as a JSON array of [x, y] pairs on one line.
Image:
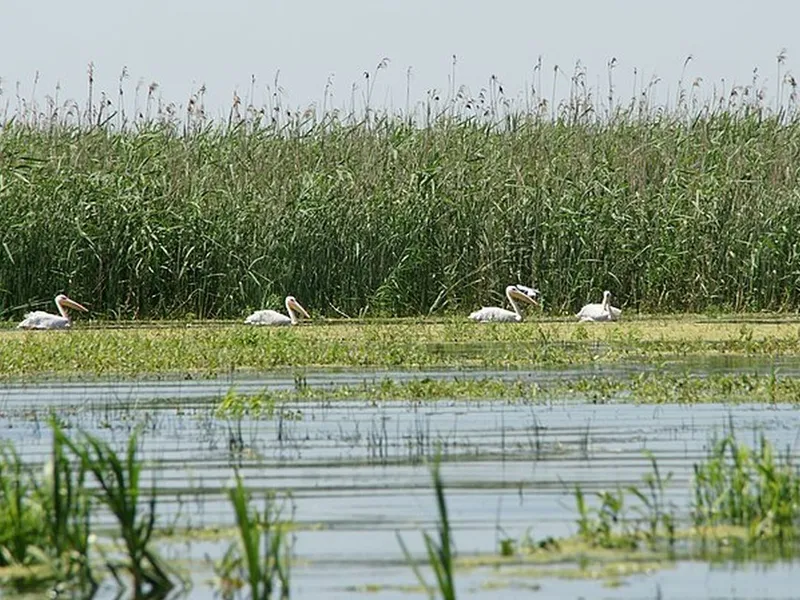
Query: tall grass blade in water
[[440, 555], [608, 525], [265, 568], [66, 504], [20, 522], [44, 524], [653, 507], [118, 478]]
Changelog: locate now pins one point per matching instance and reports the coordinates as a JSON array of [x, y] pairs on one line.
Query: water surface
[[353, 474]]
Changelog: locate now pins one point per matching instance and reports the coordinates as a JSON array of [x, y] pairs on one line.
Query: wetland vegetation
[[166, 213], [744, 504], [202, 349], [390, 228]]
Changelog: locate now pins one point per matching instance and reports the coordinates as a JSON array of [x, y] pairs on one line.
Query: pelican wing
[[598, 312], [268, 317], [494, 314], [40, 319], [529, 291]]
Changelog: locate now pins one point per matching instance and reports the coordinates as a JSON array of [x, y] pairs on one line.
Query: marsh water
[[354, 474]]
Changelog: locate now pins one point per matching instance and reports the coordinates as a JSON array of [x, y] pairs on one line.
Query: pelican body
[[40, 319], [495, 314], [600, 312], [273, 317]]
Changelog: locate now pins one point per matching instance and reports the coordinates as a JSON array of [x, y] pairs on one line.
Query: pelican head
[[63, 302], [532, 293], [523, 294], [293, 305]]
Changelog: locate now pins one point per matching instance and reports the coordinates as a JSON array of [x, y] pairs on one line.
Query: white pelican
[[600, 312], [40, 319], [273, 317], [490, 314]]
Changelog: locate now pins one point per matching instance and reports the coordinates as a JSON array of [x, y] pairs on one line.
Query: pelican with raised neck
[[514, 293], [273, 317], [600, 312], [40, 319]]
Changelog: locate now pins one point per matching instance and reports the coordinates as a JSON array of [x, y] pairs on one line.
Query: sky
[[182, 45]]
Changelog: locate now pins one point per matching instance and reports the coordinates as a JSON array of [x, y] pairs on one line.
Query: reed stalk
[[261, 558]]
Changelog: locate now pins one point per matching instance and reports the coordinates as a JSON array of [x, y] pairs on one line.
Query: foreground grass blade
[[440, 554], [120, 492], [266, 567]]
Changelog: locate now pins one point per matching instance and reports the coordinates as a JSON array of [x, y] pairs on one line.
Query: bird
[[490, 314], [600, 312], [273, 317], [40, 319]]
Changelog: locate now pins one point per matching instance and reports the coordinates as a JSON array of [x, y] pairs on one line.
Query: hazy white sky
[[183, 44]]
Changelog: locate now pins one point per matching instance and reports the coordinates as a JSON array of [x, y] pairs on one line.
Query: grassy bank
[[212, 349], [673, 210]]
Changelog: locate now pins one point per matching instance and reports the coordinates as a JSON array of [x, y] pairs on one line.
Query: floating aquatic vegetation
[[214, 349]]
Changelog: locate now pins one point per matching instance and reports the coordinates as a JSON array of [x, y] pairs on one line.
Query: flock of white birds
[[602, 311]]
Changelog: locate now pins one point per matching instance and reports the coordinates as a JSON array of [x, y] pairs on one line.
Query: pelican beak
[[72, 304], [532, 294], [296, 306], [528, 295]]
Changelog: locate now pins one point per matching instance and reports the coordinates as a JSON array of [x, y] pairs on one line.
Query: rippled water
[[357, 472]]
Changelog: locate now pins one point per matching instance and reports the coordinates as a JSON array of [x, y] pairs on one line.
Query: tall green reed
[[44, 523], [21, 526], [66, 506]]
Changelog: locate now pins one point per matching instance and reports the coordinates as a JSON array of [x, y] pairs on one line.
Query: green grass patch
[[745, 507], [645, 388], [211, 349]]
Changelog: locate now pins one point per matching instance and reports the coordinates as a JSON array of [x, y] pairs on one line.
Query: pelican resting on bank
[[490, 314], [600, 312], [40, 319], [273, 317]]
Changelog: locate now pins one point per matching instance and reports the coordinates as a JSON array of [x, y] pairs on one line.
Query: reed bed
[[689, 207]]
